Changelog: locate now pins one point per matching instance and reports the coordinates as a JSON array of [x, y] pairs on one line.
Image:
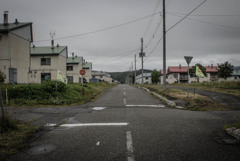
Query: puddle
[[42, 149]]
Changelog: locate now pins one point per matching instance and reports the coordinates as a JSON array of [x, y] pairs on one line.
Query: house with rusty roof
[[179, 74], [15, 42], [46, 61]]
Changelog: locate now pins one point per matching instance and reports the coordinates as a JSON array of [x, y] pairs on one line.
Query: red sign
[[82, 72]]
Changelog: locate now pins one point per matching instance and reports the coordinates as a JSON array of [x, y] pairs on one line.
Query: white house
[[147, 78], [15, 41], [74, 65], [102, 76], [46, 61], [87, 66]]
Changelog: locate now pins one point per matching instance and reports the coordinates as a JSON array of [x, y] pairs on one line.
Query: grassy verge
[[13, 136], [199, 103], [53, 93], [227, 87], [236, 124]]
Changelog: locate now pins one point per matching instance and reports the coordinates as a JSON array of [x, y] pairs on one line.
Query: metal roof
[[87, 65], [74, 60], [47, 50], [13, 26]]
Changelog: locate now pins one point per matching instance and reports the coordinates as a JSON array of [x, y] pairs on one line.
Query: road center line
[[125, 102], [130, 146]]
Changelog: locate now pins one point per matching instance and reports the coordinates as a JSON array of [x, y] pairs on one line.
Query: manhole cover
[[98, 108], [42, 149]]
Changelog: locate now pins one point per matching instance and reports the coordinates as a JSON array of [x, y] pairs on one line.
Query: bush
[[7, 124]]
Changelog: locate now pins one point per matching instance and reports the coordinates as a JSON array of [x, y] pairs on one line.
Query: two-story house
[[46, 61], [87, 66], [74, 65], [15, 41], [179, 74], [147, 78]]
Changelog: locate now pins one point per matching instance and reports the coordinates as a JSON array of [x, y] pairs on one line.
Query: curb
[[168, 102]]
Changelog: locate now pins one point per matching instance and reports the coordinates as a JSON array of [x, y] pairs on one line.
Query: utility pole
[[135, 70], [142, 54], [164, 48]]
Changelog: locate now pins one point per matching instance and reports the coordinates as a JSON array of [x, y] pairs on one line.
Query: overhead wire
[[100, 30], [186, 15]]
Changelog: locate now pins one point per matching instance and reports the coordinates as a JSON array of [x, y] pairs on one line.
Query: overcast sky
[[108, 32]]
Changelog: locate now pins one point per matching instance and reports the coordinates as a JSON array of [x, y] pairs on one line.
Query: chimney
[[72, 55], [180, 66], [211, 65], [52, 42], [5, 20], [16, 21]]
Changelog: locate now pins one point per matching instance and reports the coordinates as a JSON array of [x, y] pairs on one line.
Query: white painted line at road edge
[[145, 105], [91, 124], [130, 146]]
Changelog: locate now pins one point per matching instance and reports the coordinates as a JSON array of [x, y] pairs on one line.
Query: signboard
[[82, 72], [188, 59]]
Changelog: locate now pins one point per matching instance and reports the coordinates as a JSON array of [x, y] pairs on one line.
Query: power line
[[225, 26], [104, 29], [186, 15], [209, 15], [150, 22]]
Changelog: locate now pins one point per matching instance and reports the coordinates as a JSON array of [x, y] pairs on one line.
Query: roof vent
[[72, 55], [180, 66], [5, 16], [33, 46], [58, 45]]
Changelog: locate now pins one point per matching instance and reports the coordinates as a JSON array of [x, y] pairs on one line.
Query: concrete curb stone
[[233, 131]]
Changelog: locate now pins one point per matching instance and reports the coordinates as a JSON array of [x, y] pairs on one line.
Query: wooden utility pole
[[142, 54], [135, 70], [164, 47]]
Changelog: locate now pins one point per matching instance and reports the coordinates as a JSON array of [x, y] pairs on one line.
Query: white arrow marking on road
[[98, 143], [130, 146]]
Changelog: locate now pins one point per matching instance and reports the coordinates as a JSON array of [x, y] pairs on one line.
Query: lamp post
[[188, 60]]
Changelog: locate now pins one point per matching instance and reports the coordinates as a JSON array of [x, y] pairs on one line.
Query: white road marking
[[98, 108], [50, 124], [124, 93], [91, 124], [98, 143], [125, 102], [130, 146], [145, 105]]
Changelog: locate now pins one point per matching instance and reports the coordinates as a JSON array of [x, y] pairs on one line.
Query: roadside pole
[[188, 60], [1, 103], [82, 72]]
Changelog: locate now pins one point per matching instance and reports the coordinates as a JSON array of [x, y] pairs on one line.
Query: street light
[[188, 60]]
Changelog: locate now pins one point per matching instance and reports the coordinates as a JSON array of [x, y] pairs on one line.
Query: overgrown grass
[[199, 103], [236, 124], [52, 93], [227, 87], [13, 137]]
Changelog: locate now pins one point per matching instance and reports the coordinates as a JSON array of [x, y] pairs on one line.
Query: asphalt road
[[128, 124]]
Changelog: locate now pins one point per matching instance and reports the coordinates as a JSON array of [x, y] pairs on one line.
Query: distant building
[[101, 76], [147, 78], [74, 65], [15, 41], [179, 74], [46, 61], [235, 74]]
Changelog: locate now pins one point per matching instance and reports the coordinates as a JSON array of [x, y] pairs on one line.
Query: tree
[[225, 70], [192, 71], [1, 77], [155, 76]]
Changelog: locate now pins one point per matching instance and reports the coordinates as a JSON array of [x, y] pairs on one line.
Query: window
[[45, 61], [146, 78], [13, 75], [70, 68], [70, 79], [45, 77]]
